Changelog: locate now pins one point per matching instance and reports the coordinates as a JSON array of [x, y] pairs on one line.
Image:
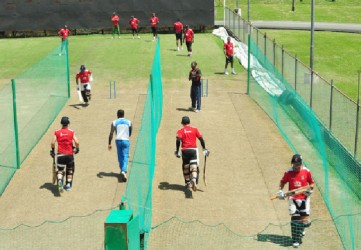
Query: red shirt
[[65, 136], [296, 180], [64, 33], [84, 76], [178, 27], [188, 135], [189, 35], [115, 20], [229, 48], [154, 21], [134, 23]]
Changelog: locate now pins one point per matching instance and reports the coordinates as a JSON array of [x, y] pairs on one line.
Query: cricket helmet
[[185, 120], [64, 120], [296, 159]]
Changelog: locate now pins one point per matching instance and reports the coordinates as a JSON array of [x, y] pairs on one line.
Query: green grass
[[336, 55], [124, 59], [340, 11]]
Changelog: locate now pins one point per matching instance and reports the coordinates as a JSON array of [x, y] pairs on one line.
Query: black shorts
[[189, 45], [178, 35], [65, 161], [154, 30], [189, 155], [229, 59]]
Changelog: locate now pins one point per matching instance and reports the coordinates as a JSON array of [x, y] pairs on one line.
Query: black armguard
[[177, 144], [202, 142]]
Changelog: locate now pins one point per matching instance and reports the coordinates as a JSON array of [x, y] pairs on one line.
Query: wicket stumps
[[204, 87], [112, 86]]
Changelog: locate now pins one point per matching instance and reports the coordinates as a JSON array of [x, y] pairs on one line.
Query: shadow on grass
[[78, 105], [185, 110], [52, 188], [283, 241]]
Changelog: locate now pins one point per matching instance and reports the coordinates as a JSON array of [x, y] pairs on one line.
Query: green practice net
[[28, 106], [336, 172], [139, 186]]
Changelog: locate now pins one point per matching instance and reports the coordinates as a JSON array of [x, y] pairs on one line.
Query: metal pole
[[67, 67], [249, 64], [312, 46], [16, 130], [293, 5], [358, 113], [283, 59], [296, 63], [249, 12], [224, 12], [274, 53], [331, 103]]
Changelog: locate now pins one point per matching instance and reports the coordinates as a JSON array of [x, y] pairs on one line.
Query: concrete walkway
[[296, 25]]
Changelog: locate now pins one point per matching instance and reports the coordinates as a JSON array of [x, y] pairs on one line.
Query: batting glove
[[52, 153], [75, 150], [206, 152], [308, 192], [177, 154], [280, 195]]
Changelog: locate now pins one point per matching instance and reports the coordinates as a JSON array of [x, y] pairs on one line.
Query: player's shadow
[[182, 55], [177, 187], [172, 49], [78, 105], [185, 110], [51, 187], [112, 174], [283, 241], [219, 73]]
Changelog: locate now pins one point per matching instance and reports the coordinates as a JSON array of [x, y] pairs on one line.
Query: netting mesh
[[26, 112], [335, 172], [139, 186]]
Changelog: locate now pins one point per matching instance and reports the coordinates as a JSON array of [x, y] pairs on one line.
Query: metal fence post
[[331, 104], [274, 53], [357, 114], [265, 45], [282, 59], [296, 63]]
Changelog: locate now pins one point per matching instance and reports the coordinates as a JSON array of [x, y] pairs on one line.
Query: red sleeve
[[198, 134], [309, 178], [285, 178]]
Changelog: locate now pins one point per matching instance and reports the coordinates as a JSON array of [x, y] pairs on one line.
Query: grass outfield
[[340, 11], [121, 59]]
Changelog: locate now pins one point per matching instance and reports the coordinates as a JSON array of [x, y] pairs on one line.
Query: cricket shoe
[[194, 185], [234, 73], [188, 186], [226, 73], [296, 245], [60, 186], [123, 175], [67, 187]]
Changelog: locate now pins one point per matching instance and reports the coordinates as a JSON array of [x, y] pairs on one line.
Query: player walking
[[123, 130], [153, 23], [134, 25], [195, 75], [63, 33], [298, 205], [85, 77], [189, 39], [115, 21], [186, 137], [178, 29], [65, 159], [229, 52]]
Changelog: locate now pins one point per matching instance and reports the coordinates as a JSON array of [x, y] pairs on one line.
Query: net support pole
[[357, 114], [67, 67], [16, 130], [331, 103], [296, 63], [249, 63]]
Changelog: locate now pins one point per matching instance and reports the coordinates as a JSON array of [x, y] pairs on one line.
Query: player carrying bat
[[186, 138], [297, 176]]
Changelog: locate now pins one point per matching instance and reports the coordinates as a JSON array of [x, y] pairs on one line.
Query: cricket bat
[[54, 171], [204, 171], [80, 97], [294, 192]]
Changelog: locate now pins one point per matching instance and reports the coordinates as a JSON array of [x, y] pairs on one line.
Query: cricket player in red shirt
[[153, 23], [299, 204], [187, 137], [134, 25], [115, 21], [65, 158], [228, 49], [178, 29], [63, 33], [85, 77], [189, 39]]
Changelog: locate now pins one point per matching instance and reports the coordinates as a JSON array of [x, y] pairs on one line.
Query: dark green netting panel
[[28, 106]]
